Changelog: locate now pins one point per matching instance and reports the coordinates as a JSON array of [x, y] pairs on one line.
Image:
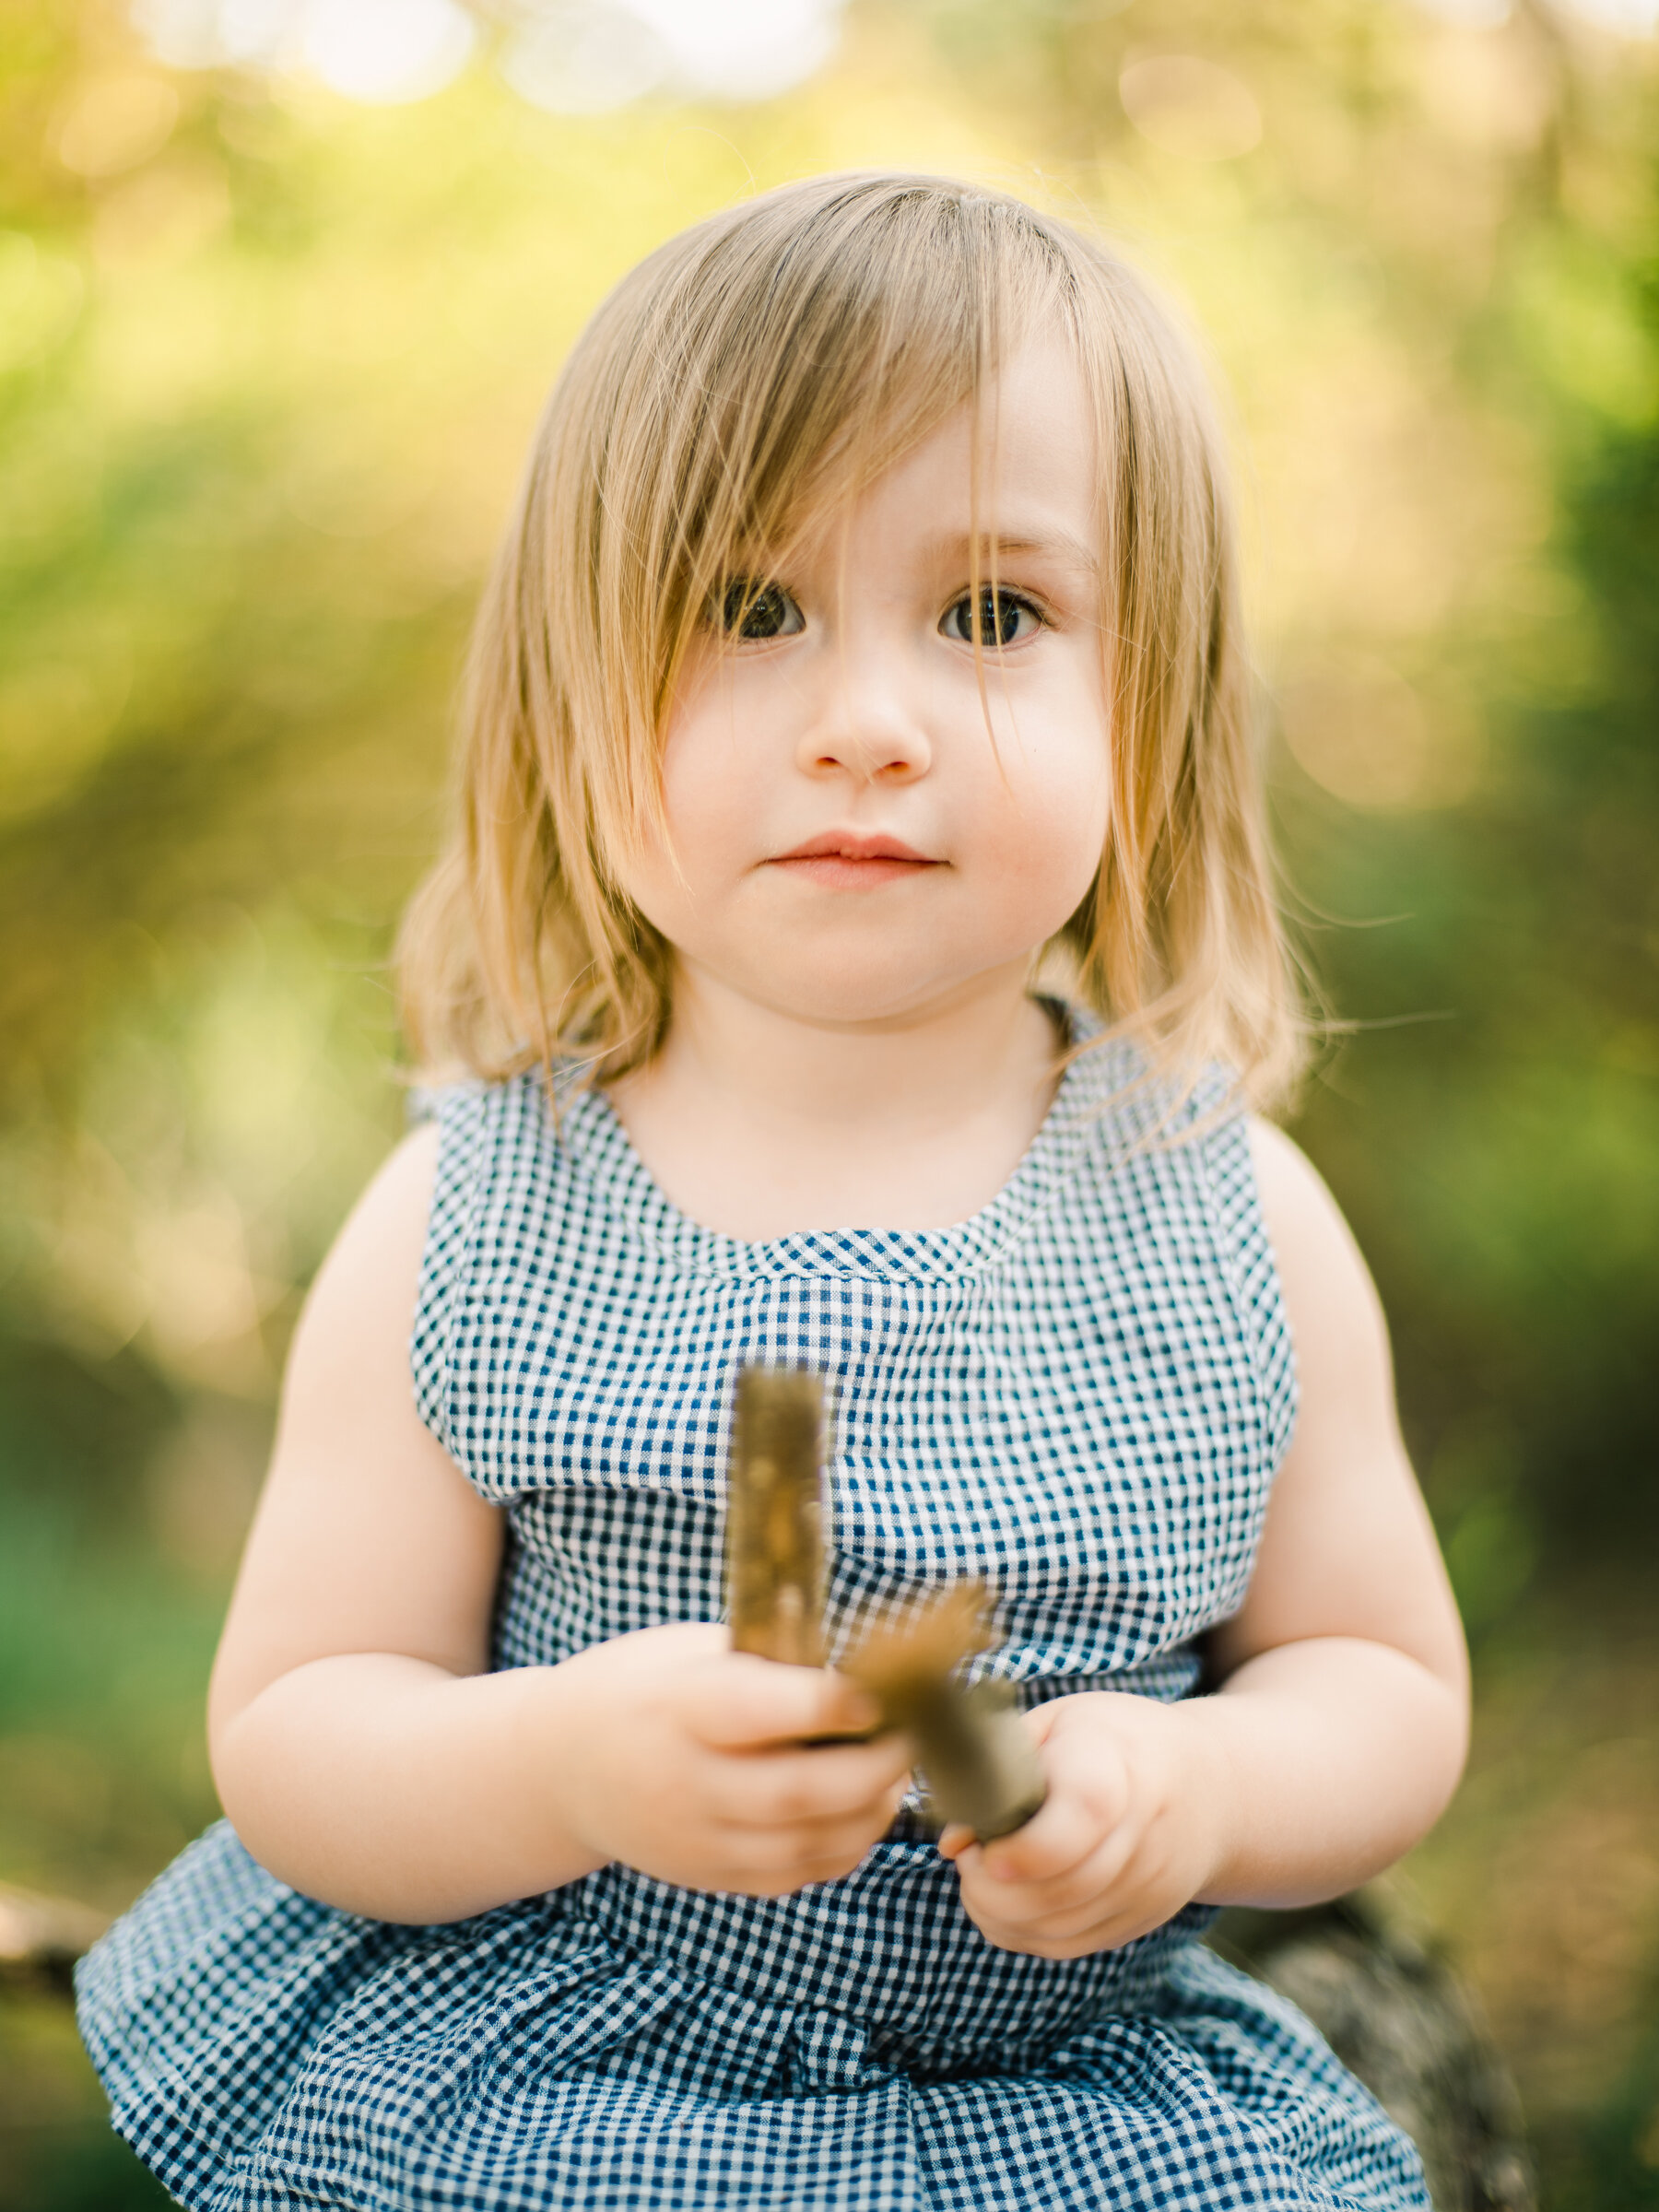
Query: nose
[[865, 725]]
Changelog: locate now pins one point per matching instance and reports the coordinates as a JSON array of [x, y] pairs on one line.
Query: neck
[[758, 1121], [918, 1069]]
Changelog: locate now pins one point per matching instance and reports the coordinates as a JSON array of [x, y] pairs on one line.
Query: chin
[[859, 997]]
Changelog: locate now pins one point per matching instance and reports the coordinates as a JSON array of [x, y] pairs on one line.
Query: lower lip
[[837, 872]]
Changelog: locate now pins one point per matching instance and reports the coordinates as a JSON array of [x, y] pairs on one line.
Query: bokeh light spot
[[584, 59], [744, 49], [113, 123], [386, 50]]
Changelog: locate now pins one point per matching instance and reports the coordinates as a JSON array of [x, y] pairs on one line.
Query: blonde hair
[[755, 370]]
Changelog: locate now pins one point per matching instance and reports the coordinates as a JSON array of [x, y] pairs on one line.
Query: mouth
[[844, 860]]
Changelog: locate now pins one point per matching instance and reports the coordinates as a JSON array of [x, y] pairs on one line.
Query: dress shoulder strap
[[466, 1114], [1248, 1268], [1184, 1147]]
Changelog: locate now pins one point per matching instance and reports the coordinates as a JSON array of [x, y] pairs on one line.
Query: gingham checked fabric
[[1082, 1394]]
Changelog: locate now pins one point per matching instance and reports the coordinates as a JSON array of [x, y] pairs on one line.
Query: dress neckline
[[592, 1128]]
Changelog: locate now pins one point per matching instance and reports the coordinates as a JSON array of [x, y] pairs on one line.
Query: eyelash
[[1019, 603], [742, 601]]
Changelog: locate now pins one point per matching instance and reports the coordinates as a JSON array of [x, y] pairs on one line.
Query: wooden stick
[[775, 1516], [981, 1764], [42, 1937]]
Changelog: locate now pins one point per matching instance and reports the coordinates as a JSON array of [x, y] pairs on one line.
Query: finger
[[776, 1849], [852, 1711], [1093, 1917], [740, 1702], [1093, 1879], [783, 1858], [1058, 1838], [1087, 1884], [792, 1787], [1089, 1922], [1027, 1916], [1102, 1932]]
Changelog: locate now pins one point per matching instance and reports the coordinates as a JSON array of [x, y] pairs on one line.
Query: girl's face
[[849, 845]]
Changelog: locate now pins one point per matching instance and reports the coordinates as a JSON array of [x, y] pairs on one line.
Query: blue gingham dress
[[1080, 1394]]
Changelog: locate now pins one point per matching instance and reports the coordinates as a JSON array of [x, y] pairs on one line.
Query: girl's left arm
[[1339, 1725]]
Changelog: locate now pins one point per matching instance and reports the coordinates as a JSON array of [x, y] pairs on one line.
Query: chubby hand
[[694, 1763], [1127, 1835]]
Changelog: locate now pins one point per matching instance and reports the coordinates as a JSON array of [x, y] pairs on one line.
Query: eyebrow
[[1058, 545]]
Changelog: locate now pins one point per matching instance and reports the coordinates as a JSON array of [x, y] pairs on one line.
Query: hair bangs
[[811, 358]]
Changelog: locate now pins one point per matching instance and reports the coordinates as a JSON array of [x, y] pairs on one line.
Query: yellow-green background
[[268, 362]]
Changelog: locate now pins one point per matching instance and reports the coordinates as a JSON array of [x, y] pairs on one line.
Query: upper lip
[[848, 844]]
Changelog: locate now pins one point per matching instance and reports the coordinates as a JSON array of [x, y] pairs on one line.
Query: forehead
[[1032, 429], [1017, 463]]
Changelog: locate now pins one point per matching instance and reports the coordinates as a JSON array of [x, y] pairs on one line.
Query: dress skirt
[[857, 2048]]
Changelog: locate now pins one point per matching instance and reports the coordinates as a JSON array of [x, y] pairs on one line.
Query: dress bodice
[[1080, 1394]]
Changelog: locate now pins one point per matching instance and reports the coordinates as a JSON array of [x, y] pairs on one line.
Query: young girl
[[858, 954]]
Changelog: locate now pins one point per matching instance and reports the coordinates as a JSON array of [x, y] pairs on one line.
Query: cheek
[[658, 871], [686, 777], [700, 803], [1082, 831], [710, 779], [1054, 829]]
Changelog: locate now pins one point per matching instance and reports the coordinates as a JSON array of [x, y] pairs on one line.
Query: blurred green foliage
[[269, 363]]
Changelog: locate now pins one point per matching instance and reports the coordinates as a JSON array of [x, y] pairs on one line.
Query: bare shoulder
[[369, 1536], [368, 1282], [1301, 1215], [1335, 1316], [1286, 1177], [1347, 1549]]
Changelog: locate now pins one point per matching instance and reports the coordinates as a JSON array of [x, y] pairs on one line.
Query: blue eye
[[998, 617], [757, 611]]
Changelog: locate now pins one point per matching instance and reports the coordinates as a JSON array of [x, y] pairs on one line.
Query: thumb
[[743, 1703]]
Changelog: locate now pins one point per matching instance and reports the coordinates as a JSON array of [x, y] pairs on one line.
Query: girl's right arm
[[361, 1749]]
